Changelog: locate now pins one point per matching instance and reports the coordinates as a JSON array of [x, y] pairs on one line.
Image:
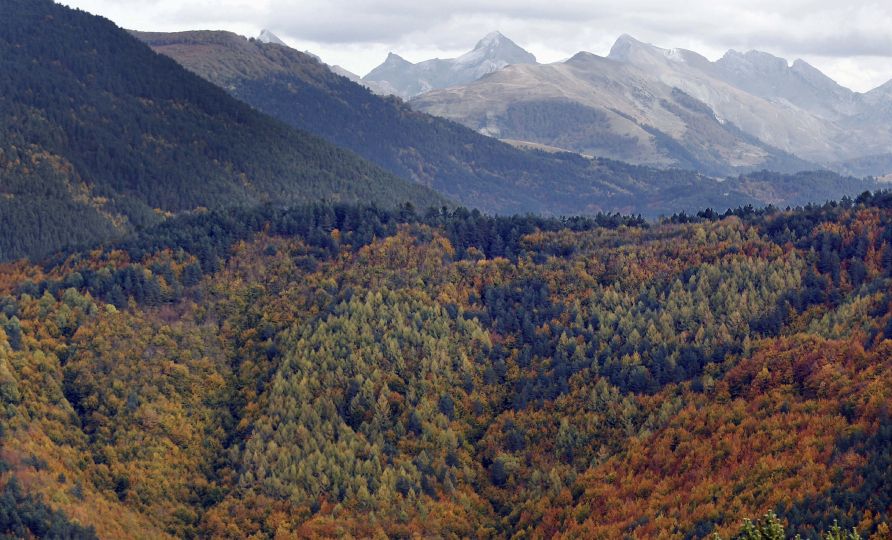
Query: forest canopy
[[334, 369]]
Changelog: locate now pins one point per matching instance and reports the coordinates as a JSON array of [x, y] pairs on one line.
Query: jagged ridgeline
[[99, 135], [470, 168]]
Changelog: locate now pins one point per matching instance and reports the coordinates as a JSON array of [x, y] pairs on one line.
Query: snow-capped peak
[[268, 37]]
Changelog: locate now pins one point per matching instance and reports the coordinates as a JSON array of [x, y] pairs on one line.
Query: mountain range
[[87, 139], [468, 167], [663, 107]]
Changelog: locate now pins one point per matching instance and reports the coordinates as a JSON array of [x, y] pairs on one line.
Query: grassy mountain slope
[[338, 370], [98, 135], [475, 170], [641, 112]]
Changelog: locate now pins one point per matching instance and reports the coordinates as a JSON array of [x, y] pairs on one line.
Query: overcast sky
[[850, 40]]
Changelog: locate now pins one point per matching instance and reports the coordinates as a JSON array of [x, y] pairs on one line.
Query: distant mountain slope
[[475, 170], [98, 135], [656, 106], [609, 107], [879, 165], [800, 84], [407, 80], [794, 107], [267, 37]]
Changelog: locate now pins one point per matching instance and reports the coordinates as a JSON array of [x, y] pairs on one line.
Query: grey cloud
[[357, 32]]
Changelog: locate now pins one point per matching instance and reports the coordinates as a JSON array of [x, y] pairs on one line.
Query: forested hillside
[[99, 135], [475, 170], [332, 370]]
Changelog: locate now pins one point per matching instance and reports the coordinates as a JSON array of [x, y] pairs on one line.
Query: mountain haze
[[607, 107], [405, 79], [470, 168], [800, 84], [674, 107]]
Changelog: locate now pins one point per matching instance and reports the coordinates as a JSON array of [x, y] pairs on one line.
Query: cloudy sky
[[850, 40]]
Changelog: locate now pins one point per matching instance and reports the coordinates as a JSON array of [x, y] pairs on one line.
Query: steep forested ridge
[[331, 369], [99, 135], [468, 167]]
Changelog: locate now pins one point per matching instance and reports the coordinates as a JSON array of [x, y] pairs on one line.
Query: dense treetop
[[336, 369], [206, 366]]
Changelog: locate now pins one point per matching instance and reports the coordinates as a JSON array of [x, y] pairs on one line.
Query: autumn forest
[[215, 322], [343, 370]]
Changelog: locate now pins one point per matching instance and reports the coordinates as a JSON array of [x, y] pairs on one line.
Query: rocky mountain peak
[[497, 49], [490, 54], [267, 36], [752, 62]]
